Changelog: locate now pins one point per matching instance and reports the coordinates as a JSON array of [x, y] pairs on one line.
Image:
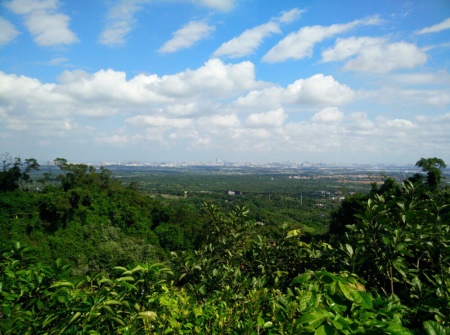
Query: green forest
[[86, 252]]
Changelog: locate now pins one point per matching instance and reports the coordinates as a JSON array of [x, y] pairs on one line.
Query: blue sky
[[235, 80]]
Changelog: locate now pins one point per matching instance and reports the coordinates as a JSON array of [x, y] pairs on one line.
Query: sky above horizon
[[232, 80]]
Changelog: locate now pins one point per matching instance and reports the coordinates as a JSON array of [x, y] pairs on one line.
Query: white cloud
[[270, 119], [375, 54], [444, 25], [328, 115], [42, 20], [187, 36], [300, 44], [224, 5], [290, 16], [58, 61], [267, 98], [50, 29], [248, 41], [23, 7], [119, 140], [7, 31], [320, 90], [424, 78], [222, 108], [158, 121], [348, 47], [213, 80], [360, 124], [121, 21], [219, 121]]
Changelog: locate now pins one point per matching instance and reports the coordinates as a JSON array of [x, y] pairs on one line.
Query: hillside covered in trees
[[87, 254]]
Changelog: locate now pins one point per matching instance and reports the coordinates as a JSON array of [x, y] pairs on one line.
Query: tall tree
[[433, 167], [14, 172]]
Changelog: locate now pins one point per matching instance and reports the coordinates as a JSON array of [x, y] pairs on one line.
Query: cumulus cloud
[[46, 25], [219, 107], [158, 121], [444, 25], [213, 80], [376, 55], [187, 36], [318, 89], [7, 32], [220, 121], [270, 97], [300, 44], [328, 115], [274, 118], [247, 42]]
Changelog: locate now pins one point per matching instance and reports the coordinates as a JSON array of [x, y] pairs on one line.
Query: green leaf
[[313, 319], [62, 284], [303, 278], [349, 249], [434, 328], [268, 324], [260, 321], [366, 300], [325, 330], [39, 304], [76, 316], [396, 329], [346, 291], [118, 320], [113, 302], [49, 319], [108, 309], [125, 279], [148, 315]]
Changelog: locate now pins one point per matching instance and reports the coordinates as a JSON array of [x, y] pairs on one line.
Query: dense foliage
[[102, 258]]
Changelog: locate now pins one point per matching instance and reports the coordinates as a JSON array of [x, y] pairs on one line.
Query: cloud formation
[[300, 44], [215, 107], [46, 25], [247, 42], [7, 32], [444, 25], [120, 22], [377, 55], [187, 36], [223, 5]]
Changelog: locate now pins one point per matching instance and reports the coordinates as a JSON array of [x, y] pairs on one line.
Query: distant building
[[230, 192]]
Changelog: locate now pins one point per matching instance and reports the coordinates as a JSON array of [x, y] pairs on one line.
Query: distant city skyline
[[242, 81]]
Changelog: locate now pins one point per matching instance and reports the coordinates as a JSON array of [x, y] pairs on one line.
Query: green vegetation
[[98, 256]]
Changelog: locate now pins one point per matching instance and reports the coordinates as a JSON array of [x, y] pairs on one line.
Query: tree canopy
[[433, 167]]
